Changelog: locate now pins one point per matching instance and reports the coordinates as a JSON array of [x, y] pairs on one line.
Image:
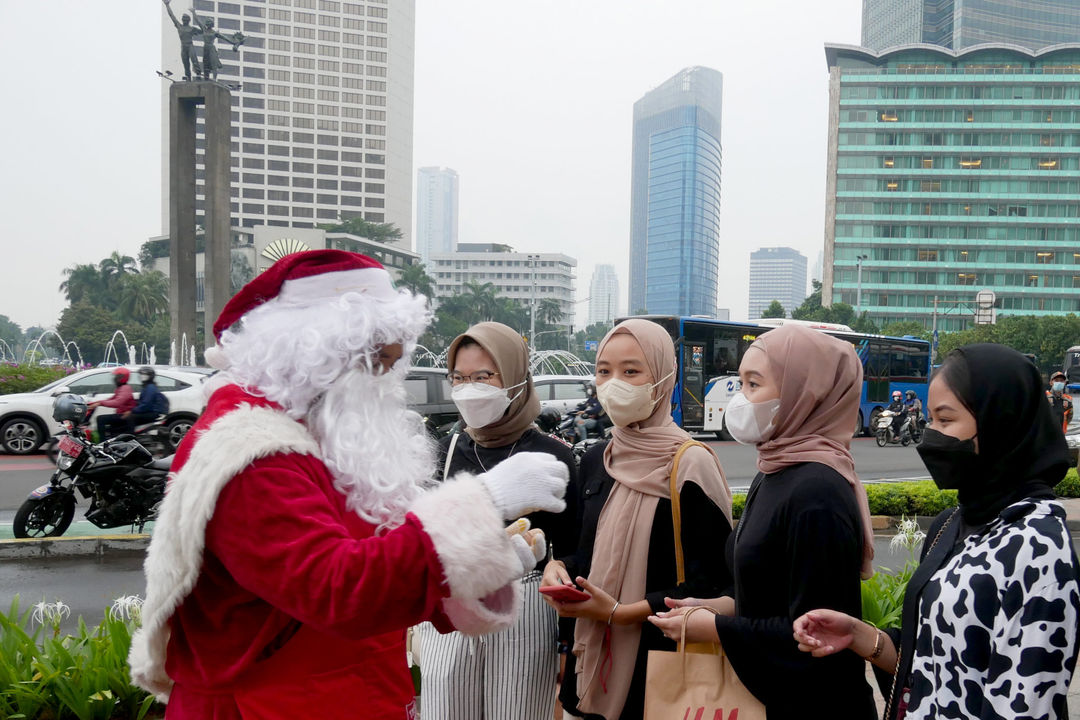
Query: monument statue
[[211, 63], [187, 33]]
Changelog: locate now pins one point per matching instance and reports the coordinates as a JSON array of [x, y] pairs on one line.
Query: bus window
[[876, 372]]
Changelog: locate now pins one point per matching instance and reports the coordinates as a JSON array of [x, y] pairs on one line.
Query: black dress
[[798, 547], [705, 529], [560, 529]]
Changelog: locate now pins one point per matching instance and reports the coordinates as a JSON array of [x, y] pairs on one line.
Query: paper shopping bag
[[685, 685]]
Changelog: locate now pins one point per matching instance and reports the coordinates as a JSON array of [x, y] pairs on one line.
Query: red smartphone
[[565, 593]]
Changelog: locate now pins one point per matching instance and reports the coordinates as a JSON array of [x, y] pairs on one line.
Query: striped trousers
[[509, 675]]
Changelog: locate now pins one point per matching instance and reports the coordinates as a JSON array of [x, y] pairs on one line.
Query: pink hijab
[[820, 385]]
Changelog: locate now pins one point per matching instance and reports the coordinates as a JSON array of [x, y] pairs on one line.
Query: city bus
[[1071, 368], [709, 352]]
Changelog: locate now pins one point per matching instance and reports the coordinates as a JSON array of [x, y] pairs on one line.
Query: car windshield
[[54, 384]]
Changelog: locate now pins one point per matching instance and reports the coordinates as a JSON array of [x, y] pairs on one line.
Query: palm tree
[[512, 313], [417, 281], [549, 311], [482, 298], [84, 282], [142, 296], [117, 266], [379, 232]]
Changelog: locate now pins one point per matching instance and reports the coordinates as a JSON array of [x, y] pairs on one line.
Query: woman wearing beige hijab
[[804, 538], [508, 675], [625, 558]]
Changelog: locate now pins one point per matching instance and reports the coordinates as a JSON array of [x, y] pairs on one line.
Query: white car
[[26, 418], [562, 392]]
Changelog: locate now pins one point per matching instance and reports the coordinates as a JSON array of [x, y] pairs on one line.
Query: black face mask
[[953, 463]]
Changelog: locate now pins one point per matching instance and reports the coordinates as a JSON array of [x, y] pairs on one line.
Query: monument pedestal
[[184, 98]]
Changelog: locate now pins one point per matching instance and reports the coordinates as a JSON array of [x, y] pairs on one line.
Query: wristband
[[879, 645], [612, 615]]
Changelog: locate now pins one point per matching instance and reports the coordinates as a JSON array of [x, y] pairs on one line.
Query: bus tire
[[722, 433], [859, 429]]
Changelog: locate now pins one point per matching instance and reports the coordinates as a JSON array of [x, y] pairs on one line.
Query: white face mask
[[751, 423], [625, 403], [481, 404]]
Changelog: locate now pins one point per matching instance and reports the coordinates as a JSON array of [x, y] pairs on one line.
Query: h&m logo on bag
[[699, 714]]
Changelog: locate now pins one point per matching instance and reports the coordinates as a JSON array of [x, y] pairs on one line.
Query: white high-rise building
[[603, 295], [776, 273], [322, 114], [436, 211]]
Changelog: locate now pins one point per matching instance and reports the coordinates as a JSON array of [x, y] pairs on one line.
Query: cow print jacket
[[997, 626]]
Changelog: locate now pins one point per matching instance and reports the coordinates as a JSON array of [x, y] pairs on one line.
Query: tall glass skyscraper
[[776, 273], [958, 24], [675, 195], [436, 211], [951, 172]]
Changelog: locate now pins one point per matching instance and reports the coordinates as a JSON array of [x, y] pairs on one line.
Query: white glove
[[529, 555], [527, 482]]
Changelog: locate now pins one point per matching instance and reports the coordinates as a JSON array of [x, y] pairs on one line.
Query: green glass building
[[951, 172]]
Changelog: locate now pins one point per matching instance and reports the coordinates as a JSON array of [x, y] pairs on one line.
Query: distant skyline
[[436, 229], [543, 137]]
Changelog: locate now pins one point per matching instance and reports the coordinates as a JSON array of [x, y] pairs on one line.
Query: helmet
[[548, 420], [69, 407], [896, 394], [148, 373], [910, 394], [590, 389], [121, 375]]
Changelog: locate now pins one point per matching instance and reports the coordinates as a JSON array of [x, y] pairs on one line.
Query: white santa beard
[[377, 449]]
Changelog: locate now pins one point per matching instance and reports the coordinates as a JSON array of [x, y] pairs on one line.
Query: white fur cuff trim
[[496, 612], [469, 536]]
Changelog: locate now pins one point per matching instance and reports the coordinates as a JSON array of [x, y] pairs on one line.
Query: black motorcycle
[[122, 480]]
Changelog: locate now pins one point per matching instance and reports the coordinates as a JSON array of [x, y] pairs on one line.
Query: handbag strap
[[450, 456], [676, 509]]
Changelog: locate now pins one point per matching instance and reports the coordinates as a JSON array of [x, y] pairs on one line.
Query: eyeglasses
[[483, 376]]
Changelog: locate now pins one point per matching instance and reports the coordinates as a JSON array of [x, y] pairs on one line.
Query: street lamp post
[[858, 284], [532, 301]]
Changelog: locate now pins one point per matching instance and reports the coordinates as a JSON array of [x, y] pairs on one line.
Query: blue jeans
[[583, 426]]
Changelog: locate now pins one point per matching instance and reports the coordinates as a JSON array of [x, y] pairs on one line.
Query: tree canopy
[[775, 310]]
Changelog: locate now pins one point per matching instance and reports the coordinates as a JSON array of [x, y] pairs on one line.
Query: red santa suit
[[268, 598]]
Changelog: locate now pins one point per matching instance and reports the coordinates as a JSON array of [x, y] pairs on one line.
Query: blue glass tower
[[675, 196]]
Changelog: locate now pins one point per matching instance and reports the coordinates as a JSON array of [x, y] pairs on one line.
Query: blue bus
[[709, 352]]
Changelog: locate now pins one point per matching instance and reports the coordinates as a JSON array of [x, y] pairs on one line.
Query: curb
[[97, 546]]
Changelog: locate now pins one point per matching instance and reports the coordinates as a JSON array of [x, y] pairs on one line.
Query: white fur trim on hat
[[375, 282]]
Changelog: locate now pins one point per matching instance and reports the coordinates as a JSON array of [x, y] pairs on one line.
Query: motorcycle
[[154, 436], [561, 427], [122, 480], [910, 430]]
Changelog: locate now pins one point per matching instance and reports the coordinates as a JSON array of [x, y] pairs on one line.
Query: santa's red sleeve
[[280, 537]]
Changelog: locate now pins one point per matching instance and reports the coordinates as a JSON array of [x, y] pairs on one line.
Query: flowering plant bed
[[45, 675]]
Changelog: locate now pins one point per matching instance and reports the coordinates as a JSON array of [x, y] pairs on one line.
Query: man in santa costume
[[299, 537]]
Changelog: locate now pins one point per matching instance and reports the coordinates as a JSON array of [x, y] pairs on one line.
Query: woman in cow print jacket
[[991, 615]]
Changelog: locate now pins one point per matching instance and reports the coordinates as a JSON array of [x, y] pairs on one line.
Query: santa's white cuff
[[489, 614], [469, 537]]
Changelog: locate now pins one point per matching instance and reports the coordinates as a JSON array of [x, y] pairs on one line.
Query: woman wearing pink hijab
[[625, 558], [804, 539]]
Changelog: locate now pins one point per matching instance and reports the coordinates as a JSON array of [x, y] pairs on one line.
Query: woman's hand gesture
[[824, 632]]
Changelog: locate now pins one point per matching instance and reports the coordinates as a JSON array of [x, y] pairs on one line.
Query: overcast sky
[[530, 102]]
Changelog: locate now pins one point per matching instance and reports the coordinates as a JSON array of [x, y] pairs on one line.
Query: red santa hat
[[307, 278]]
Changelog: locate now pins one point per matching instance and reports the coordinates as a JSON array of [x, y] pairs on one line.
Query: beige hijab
[[820, 385], [639, 458], [511, 356]]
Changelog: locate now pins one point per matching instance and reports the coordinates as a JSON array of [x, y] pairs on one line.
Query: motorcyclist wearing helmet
[[1061, 403], [122, 401], [897, 407], [913, 405], [152, 403], [588, 413]]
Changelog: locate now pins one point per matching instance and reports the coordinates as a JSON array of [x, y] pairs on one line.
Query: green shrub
[[883, 597], [738, 504], [1070, 486], [909, 498], [24, 378], [85, 675]]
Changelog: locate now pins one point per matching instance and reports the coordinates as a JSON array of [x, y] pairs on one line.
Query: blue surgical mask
[[1058, 386]]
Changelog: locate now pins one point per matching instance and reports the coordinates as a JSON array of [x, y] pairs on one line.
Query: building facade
[[436, 211], [959, 24], [675, 195], [322, 117], [524, 277], [603, 295], [953, 172], [776, 273], [256, 249]]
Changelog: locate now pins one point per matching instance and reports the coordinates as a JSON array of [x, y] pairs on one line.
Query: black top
[[559, 529], [704, 531], [798, 547]]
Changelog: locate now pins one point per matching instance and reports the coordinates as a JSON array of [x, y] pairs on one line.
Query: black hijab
[[1022, 451]]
